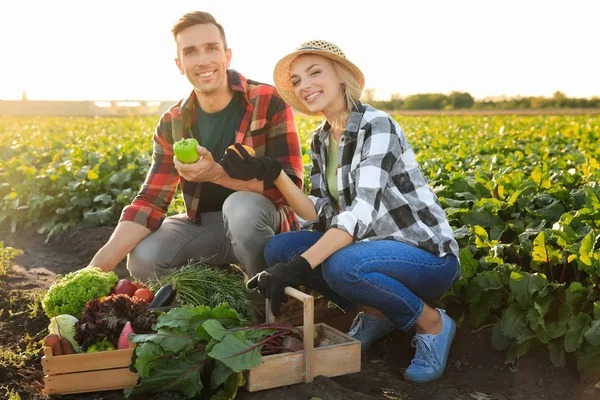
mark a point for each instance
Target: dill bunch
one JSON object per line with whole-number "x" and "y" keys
{"x": 199, "y": 284}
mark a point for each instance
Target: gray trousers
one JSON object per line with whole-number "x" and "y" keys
{"x": 237, "y": 235}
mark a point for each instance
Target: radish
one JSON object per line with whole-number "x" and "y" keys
{"x": 124, "y": 336}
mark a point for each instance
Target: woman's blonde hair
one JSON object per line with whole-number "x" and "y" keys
{"x": 351, "y": 90}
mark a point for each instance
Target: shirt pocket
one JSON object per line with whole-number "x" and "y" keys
{"x": 258, "y": 127}
{"x": 253, "y": 134}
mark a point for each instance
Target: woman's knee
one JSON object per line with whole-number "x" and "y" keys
{"x": 277, "y": 250}
{"x": 343, "y": 278}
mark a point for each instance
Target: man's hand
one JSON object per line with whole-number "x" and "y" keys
{"x": 203, "y": 170}
{"x": 247, "y": 167}
{"x": 273, "y": 281}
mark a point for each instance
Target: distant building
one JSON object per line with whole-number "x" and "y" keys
{"x": 113, "y": 108}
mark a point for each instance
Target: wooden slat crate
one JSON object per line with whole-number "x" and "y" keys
{"x": 340, "y": 358}
{"x": 109, "y": 370}
{"x": 87, "y": 372}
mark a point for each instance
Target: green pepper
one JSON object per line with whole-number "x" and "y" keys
{"x": 105, "y": 345}
{"x": 109, "y": 346}
{"x": 92, "y": 349}
{"x": 185, "y": 150}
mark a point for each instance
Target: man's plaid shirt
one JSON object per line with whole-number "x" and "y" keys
{"x": 382, "y": 191}
{"x": 267, "y": 125}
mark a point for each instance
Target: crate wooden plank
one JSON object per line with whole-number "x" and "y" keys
{"x": 86, "y": 361}
{"x": 332, "y": 334}
{"x": 336, "y": 360}
{"x": 277, "y": 370}
{"x": 91, "y": 381}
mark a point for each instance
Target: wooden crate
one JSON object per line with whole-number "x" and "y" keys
{"x": 340, "y": 358}
{"x": 87, "y": 372}
{"x": 109, "y": 370}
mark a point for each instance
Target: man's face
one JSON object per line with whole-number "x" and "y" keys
{"x": 202, "y": 58}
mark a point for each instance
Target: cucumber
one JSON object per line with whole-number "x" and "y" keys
{"x": 164, "y": 297}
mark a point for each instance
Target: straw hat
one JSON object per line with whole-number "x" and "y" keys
{"x": 281, "y": 74}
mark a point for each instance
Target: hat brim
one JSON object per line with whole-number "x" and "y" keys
{"x": 281, "y": 76}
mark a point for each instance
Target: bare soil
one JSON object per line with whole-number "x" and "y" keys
{"x": 475, "y": 370}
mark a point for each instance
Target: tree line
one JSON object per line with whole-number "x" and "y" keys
{"x": 463, "y": 100}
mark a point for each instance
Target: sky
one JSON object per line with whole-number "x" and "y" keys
{"x": 118, "y": 50}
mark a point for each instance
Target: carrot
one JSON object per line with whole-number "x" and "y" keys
{"x": 53, "y": 341}
{"x": 67, "y": 347}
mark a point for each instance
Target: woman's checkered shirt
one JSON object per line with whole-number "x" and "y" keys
{"x": 382, "y": 191}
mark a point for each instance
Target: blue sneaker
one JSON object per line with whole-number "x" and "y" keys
{"x": 432, "y": 351}
{"x": 367, "y": 329}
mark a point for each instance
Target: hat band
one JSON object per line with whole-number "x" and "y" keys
{"x": 310, "y": 48}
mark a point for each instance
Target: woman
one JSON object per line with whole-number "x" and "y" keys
{"x": 380, "y": 237}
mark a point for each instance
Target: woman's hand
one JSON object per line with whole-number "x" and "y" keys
{"x": 247, "y": 167}
{"x": 273, "y": 281}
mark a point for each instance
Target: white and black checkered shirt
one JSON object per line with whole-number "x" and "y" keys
{"x": 382, "y": 191}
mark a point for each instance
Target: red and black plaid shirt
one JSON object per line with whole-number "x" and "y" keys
{"x": 267, "y": 125}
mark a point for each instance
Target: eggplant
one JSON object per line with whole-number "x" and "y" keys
{"x": 164, "y": 297}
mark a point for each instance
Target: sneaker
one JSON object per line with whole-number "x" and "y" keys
{"x": 431, "y": 353}
{"x": 367, "y": 329}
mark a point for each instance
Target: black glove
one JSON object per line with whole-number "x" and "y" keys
{"x": 273, "y": 281}
{"x": 245, "y": 168}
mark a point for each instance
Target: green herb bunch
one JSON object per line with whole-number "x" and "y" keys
{"x": 198, "y": 284}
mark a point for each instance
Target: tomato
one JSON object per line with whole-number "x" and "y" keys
{"x": 125, "y": 287}
{"x": 185, "y": 150}
{"x": 144, "y": 294}
{"x": 140, "y": 285}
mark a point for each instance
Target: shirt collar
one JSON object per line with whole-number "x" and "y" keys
{"x": 237, "y": 82}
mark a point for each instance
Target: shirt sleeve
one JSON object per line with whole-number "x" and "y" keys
{"x": 379, "y": 153}
{"x": 152, "y": 201}
{"x": 283, "y": 144}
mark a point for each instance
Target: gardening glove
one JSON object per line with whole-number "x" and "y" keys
{"x": 273, "y": 281}
{"x": 246, "y": 167}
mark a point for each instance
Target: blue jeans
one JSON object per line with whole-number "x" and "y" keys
{"x": 391, "y": 276}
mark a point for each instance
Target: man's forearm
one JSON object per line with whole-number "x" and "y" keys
{"x": 124, "y": 239}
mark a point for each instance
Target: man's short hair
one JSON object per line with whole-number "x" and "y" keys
{"x": 195, "y": 18}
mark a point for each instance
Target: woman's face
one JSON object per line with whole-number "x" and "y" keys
{"x": 317, "y": 85}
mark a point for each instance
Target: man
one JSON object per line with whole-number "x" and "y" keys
{"x": 227, "y": 220}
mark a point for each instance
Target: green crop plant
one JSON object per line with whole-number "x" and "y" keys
{"x": 522, "y": 194}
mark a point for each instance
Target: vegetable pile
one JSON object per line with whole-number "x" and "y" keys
{"x": 69, "y": 294}
{"x": 203, "y": 351}
{"x": 105, "y": 318}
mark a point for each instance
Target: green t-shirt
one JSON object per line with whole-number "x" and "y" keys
{"x": 216, "y": 132}
{"x": 332, "y": 168}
